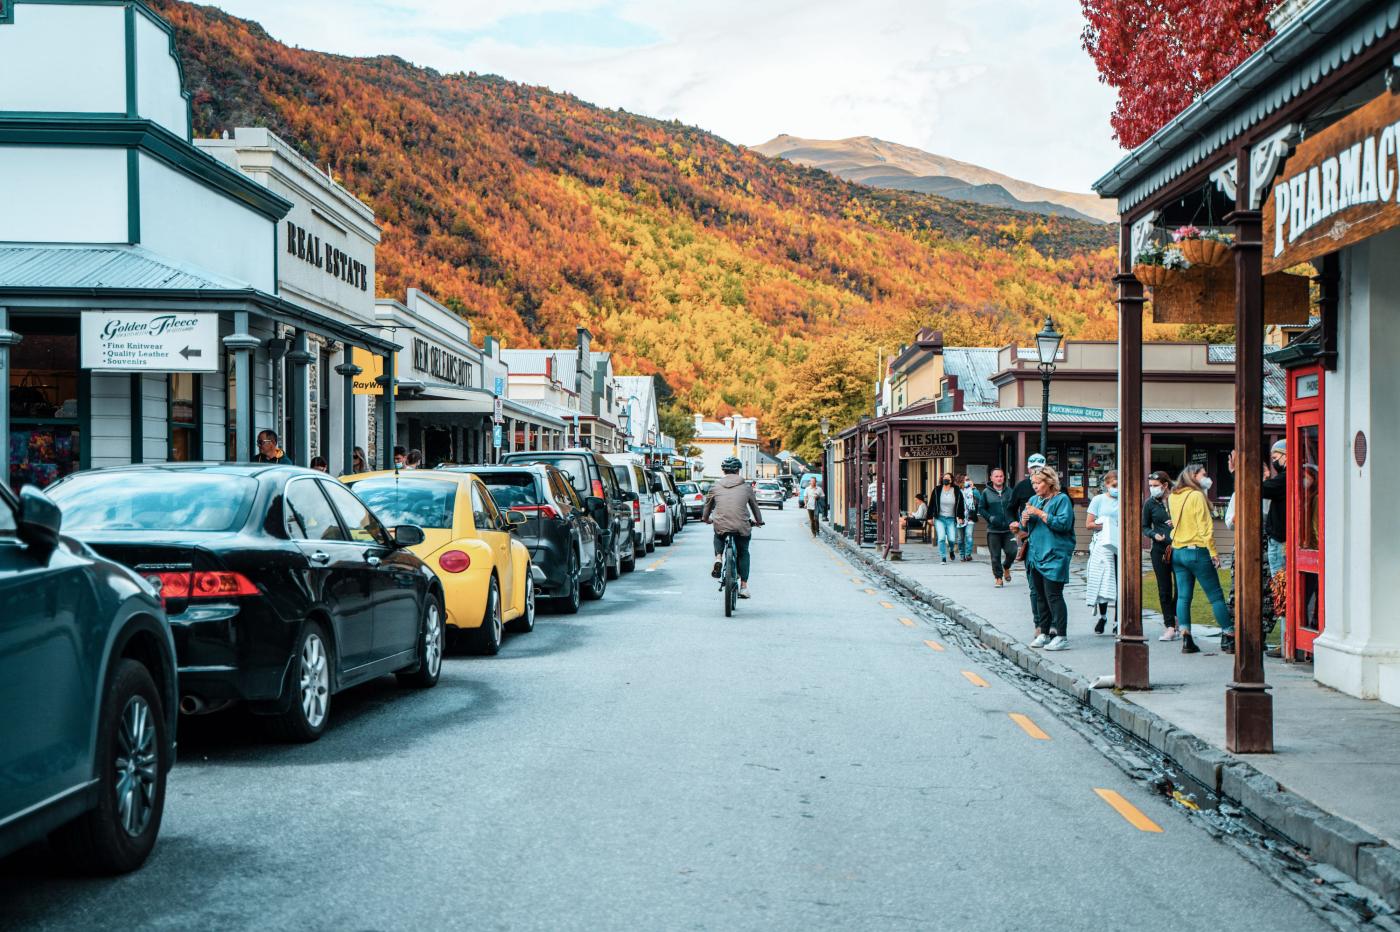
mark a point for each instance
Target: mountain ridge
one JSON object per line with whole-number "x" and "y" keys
{"x": 879, "y": 163}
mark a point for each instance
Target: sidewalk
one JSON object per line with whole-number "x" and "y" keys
{"x": 1333, "y": 753}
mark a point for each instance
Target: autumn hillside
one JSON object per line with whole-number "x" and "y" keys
{"x": 740, "y": 278}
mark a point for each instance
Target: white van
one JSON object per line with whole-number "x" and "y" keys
{"x": 631, "y": 472}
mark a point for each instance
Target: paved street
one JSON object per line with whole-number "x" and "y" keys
{"x": 812, "y": 762}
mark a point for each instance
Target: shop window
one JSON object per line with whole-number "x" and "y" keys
{"x": 1311, "y": 488}
{"x": 7, "y": 12}
{"x": 231, "y": 452}
{"x": 182, "y": 394}
{"x": 45, "y": 433}
{"x": 1169, "y": 458}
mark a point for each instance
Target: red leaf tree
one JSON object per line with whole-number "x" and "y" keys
{"x": 1162, "y": 54}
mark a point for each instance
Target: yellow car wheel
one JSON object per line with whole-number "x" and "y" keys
{"x": 486, "y": 640}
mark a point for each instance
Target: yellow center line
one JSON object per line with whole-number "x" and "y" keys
{"x": 934, "y": 645}
{"x": 870, "y": 592}
{"x": 1028, "y": 726}
{"x": 974, "y": 679}
{"x": 908, "y": 623}
{"x": 1128, "y": 811}
{"x": 886, "y": 605}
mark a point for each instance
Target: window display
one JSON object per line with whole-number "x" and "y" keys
{"x": 45, "y": 442}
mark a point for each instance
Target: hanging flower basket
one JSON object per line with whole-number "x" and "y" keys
{"x": 1151, "y": 275}
{"x": 1204, "y": 248}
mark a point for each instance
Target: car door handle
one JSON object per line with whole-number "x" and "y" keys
{"x": 320, "y": 558}
{"x": 372, "y": 561}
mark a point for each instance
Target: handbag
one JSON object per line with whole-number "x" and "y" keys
{"x": 1167, "y": 555}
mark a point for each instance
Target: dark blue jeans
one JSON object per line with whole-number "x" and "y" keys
{"x": 1191, "y": 566}
{"x": 741, "y": 551}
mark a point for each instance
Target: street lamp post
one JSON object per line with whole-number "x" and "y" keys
{"x": 1047, "y": 345}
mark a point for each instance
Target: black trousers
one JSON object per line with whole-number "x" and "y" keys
{"x": 812, "y": 516}
{"x": 1166, "y": 582}
{"x": 1049, "y": 601}
{"x": 741, "y": 552}
{"x": 1002, "y": 547}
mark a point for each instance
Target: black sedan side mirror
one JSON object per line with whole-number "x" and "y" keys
{"x": 409, "y": 535}
{"x": 39, "y": 520}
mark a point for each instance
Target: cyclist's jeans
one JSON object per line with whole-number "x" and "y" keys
{"x": 741, "y": 550}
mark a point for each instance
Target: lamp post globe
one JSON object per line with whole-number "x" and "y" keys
{"x": 1047, "y": 347}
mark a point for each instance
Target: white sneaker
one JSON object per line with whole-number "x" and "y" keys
{"x": 743, "y": 592}
{"x": 1059, "y": 642}
{"x": 1171, "y": 634}
{"x": 1040, "y": 640}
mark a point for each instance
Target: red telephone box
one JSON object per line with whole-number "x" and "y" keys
{"x": 1306, "y": 474}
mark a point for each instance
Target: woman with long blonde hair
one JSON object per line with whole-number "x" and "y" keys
{"x": 1049, "y": 517}
{"x": 1194, "y": 559}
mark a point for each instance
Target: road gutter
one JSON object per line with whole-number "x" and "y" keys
{"x": 1362, "y": 857}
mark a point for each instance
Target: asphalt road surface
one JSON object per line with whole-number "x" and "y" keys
{"x": 813, "y": 762}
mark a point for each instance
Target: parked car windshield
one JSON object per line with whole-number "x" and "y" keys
{"x": 511, "y": 490}
{"x": 571, "y": 467}
{"x": 160, "y": 500}
{"x": 424, "y": 502}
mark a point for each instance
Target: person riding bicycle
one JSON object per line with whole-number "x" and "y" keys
{"x": 727, "y": 507}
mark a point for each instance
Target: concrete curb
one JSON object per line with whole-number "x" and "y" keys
{"x": 1332, "y": 840}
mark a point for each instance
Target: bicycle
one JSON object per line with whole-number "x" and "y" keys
{"x": 729, "y": 575}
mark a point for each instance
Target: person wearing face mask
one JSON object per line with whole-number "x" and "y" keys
{"x": 1049, "y": 517}
{"x": 949, "y": 512}
{"x": 969, "y": 494}
{"x": 1194, "y": 559}
{"x": 1157, "y": 527}
{"x": 1101, "y": 589}
{"x": 1021, "y": 493}
{"x": 1274, "y": 490}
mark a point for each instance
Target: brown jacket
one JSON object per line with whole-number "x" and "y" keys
{"x": 728, "y": 506}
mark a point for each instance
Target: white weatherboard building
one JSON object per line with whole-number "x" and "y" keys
{"x": 142, "y": 317}
{"x": 719, "y": 440}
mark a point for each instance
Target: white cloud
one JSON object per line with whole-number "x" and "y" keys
{"x": 1004, "y": 85}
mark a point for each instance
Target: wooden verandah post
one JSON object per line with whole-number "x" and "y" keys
{"x": 1130, "y": 660}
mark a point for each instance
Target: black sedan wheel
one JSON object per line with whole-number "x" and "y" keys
{"x": 599, "y": 584}
{"x": 615, "y": 567}
{"x": 119, "y": 834}
{"x": 430, "y": 646}
{"x": 568, "y": 603}
{"x": 310, "y": 709}
{"x": 487, "y": 639}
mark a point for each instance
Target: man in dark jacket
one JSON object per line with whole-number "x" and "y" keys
{"x": 994, "y": 504}
{"x": 727, "y": 507}
{"x": 1275, "y": 491}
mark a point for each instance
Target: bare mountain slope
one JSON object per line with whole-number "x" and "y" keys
{"x": 882, "y": 164}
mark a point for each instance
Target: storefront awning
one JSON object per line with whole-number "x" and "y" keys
{"x": 481, "y": 405}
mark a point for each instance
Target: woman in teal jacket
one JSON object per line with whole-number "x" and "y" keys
{"x": 1049, "y": 517}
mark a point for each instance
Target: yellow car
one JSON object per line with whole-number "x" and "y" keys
{"x": 487, "y": 578}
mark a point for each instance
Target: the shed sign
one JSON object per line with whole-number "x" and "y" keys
{"x": 1337, "y": 188}
{"x": 928, "y": 444}
{"x": 145, "y": 341}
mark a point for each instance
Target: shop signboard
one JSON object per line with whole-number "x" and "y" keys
{"x": 145, "y": 341}
{"x": 371, "y": 368}
{"x": 496, "y": 436}
{"x": 1339, "y": 187}
{"x": 928, "y": 444}
{"x": 1075, "y": 411}
{"x": 500, "y": 386}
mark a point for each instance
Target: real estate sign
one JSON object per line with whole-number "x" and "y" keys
{"x": 145, "y": 341}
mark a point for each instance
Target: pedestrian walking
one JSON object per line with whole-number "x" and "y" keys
{"x": 1274, "y": 490}
{"x": 1049, "y": 518}
{"x": 1101, "y": 589}
{"x": 1020, "y": 495}
{"x": 1194, "y": 559}
{"x": 949, "y": 512}
{"x": 810, "y": 494}
{"x": 969, "y": 493}
{"x": 1157, "y": 527}
{"x": 994, "y": 504}
{"x": 268, "y": 449}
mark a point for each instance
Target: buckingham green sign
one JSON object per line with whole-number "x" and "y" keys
{"x": 1076, "y": 411}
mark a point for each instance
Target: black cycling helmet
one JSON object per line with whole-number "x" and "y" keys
{"x": 731, "y": 464}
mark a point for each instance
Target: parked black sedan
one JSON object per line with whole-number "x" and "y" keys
{"x": 564, "y": 539}
{"x": 87, "y": 695}
{"x": 281, "y": 587}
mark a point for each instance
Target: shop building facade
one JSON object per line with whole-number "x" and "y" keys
{"x": 140, "y": 308}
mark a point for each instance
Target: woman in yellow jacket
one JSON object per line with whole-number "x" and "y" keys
{"x": 1193, "y": 556}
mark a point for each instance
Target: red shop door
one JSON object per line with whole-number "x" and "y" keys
{"x": 1306, "y": 481}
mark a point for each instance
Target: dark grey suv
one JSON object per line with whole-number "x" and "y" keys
{"x": 563, "y": 538}
{"x": 610, "y": 505}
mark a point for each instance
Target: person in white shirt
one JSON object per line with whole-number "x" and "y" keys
{"x": 811, "y": 494}
{"x": 1101, "y": 590}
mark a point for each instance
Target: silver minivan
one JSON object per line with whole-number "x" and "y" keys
{"x": 631, "y": 475}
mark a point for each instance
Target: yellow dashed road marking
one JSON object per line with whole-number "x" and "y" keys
{"x": 934, "y": 645}
{"x": 870, "y": 592}
{"x": 886, "y": 605}
{"x": 908, "y": 623}
{"x": 1028, "y": 726}
{"x": 974, "y": 679}
{"x": 1128, "y": 811}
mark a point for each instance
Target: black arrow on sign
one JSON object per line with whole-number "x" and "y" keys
{"x": 187, "y": 352}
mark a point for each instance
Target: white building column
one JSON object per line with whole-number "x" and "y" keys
{"x": 1359, "y": 650}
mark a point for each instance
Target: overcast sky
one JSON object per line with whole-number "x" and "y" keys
{"x": 1002, "y": 84}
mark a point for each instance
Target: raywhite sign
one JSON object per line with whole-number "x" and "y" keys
{"x": 143, "y": 341}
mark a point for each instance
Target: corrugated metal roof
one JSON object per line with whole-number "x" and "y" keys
{"x": 1109, "y": 418}
{"x": 1275, "y": 379}
{"x": 974, "y": 366}
{"x": 129, "y": 267}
